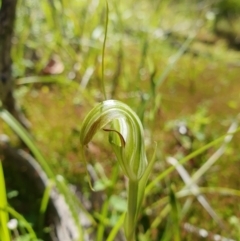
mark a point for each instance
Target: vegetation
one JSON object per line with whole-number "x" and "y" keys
{"x": 161, "y": 79}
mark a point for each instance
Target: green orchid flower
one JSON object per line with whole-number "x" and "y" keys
{"x": 126, "y": 135}
{"x": 127, "y": 139}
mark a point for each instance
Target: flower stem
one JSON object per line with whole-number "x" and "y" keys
{"x": 131, "y": 216}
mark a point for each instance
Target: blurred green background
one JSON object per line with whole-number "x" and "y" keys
{"x": 176, "y": 63}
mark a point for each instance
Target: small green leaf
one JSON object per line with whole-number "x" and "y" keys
{"x": 118, "y": 203}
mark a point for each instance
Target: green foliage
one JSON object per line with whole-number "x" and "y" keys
{"x": 226, "y": 8}
{"x": 31, "y": 235}
{"x": 58, "y": 180}
{"x": 5, "y": 235}
{"x": 155, "y": 60}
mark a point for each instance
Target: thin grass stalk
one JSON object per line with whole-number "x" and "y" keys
{"x": 185, "y": 193}
{"x": 144, "y": 53}
{"x": 190, "y": 183}
{"x": 61, "y": 185}
{"x": 157, "y": 84}
{"x": 202, "y": 190}
{"x": 144, "y": 179}
{"x": 116, "y": 228}
{"x": 227, "y": 136}
{"x": 175, "y": 214}
{"x": 19, "y": 217}
{"x": 78, "y": 203}
{"x": 211, "y": 190}
{"x": 164, "y": 212}
{"x": 194, "y": 188}
{"x": 25, "y": 137}
{"x": 216, "y": 155}
{"x": 105, "y": 207}
{"x": 43, "y": 207}
{"x": 118, "y": 71}
{"x": 175, "y": 59}
{"x": 103, "y": 52}
{"x": 210, "y": 162}
{"x": 102, "y": 220}
{"x": 91, "y": 13}
{"x": 144, "y": 49}
{"x": 4, "y": 232}
{"x": 185, "y": 160}
{"x": 54, "y": 21}
{"x": 182, "y": 194}
{"x": 102, "y": 225}
{"x": 119, "y": 64}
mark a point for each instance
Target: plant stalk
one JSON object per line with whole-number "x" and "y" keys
{"x": 4, "y": 232}
{"x": 131, "y": 216}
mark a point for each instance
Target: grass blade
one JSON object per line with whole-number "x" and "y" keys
{"x": 194, "y": 188}
{"x": 174, "y": 214}
{"x": 4, "y": 232}
{"x": 205, "y": 167}
{"x": 61, "y": 185}
{"x": 19, "y": 217}
{"x": 44, "y": 205}
{"x": 186, "y": 159}
{"x": 116, "y": 228}
{"x": 103, "y": 52}
{"x": 25, "y": 137}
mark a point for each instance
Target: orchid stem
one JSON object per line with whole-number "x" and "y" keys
{"x": 131, "y": 217}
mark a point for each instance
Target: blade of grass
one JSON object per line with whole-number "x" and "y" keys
{"x": 19, "y": 217}
{"x": 175, "y": 214}
{"x": 213, "y": 190}
{"x": 144, "y": 179}
{"x": 216, "y": 155}
{"x": 194, "y": 188}
{"x": 202, "y": 190}
{"x": 120, "y": 55}
{"x": 174, "y": 59}
{"x": 231, "y": 131}
{"x": 189, "y": 181}
{"x": 4, "y": 232}
{"x": 43, "y": 206}
{"x": 164, "y": 212}
{"x": 62, "y": 187}
{"x": 102, "y": 224}
{"x": 105, "y": 207}
{"x": 103, "y": 52}
{"x": 186, "y": 159}
{"x": 182, "y": 194}
{"x": 116, "y": 228}
{"x": 171, "y": 207}
{"x": 25, "y": 137}
{"x": 83, "y": 209}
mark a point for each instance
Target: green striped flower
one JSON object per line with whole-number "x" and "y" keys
{"x": 126, "y": 135}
